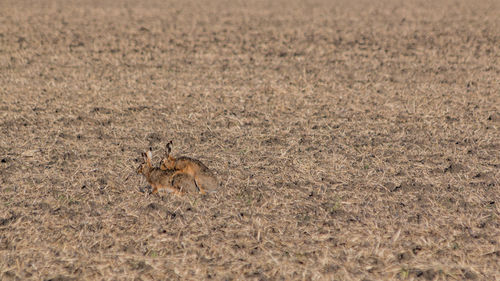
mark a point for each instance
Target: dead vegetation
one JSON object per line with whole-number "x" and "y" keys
{"x": 354, "y": 140}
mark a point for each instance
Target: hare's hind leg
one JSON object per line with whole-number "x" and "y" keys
{"x": 197, "y": 182}
{"x": 178, "y": 172}
{"x": 155, "y": 189}
{"x": 175, "y": 190}
{"x": 178, "y": 192}
{"x": 185, "y": 183}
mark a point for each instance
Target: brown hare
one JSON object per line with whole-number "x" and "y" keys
{"x": 204, "y": 179}
{"x": 178, "y": 183}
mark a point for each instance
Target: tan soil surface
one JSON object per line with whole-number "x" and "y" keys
{"x": 354, "y": 140}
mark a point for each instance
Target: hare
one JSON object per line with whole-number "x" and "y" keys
{"x": 204, "y": 179}
{"x": 179, "y": 183}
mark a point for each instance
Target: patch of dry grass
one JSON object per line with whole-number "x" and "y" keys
{"x": 354, "y": 140}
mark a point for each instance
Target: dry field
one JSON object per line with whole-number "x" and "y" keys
{"x": 354, "y": 140}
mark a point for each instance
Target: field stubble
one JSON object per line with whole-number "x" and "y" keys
{"x": 354, "y": 140}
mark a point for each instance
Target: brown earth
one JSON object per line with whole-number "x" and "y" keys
{"x": 355, "y": 140}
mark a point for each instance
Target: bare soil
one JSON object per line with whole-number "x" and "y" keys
{"x": 354, "y": 140}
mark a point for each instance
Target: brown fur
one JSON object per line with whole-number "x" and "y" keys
{"x": 204, "y": 179}
{"x": 179, "y": 183}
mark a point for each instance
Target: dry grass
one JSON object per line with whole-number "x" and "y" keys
{"x": 355, "y": 140}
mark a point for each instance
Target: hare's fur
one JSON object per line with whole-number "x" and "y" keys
{"x": 178, "y": 183}
{"x": 204, "y": 179}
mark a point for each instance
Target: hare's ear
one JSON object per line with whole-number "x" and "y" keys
{"x": 169, "y": 148}
{"x": 149, "y": 155}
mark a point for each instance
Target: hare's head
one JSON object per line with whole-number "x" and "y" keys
{"x": 146, "y": 163}
{"x": 168, "y": 163}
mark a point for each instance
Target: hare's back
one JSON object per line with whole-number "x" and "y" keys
{"x": 161, "y": 177}
{"x": 191, "y": 161}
